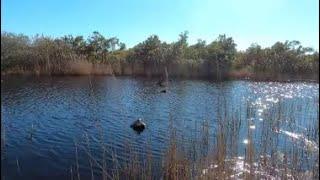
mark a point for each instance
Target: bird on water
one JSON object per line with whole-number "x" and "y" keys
{"x": 138, "y": 125}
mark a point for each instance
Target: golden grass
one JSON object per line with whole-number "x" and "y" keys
{"x": 266, "y": 162}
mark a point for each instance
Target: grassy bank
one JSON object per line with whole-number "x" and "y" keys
{"x": 98, "y": 55}
{"x": 85, "y": 68}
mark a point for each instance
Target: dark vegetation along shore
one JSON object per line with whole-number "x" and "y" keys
{"x": 98, "y": 55}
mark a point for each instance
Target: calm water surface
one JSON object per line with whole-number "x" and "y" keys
{"x": 44, "y": 117}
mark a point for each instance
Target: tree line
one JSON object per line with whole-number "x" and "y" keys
{"x": 100, "y": 55}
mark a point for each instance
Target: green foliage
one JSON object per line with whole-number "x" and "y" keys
{"x": 222, "y": 49}
{"x": 177, "y": 50}
{"x": 149, "y": 50}
{"x": 288, "y": 57}
{"x": 221, "y": 54}
{"x": 215, "y": 59}
{"x": 13, "y": 48}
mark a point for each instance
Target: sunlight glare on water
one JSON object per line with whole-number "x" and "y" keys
{"x": 44, "y": 117}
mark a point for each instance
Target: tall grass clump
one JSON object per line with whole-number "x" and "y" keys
{"x": 227, "y": 148}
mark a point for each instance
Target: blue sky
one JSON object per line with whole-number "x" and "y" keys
{"x": 132, "y": 21}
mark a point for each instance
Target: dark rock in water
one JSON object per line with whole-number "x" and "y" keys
{"x": 163, "y": 91}
{"x": 138, "y": 125}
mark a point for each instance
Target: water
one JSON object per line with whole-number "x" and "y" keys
{"x": 44, "y": 118}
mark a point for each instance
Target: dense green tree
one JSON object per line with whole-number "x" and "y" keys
{"x": 197, "y": 51}
{"x": 177, "y": 50}
{"x": 98, "y": 45}
{"x": 122, "y": 46}
{"x": 221, "y": 53}
{"x": 149, "y": 51}
{"x": 79, "y": 45}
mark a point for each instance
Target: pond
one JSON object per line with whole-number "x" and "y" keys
{"x": 55, "y": 126}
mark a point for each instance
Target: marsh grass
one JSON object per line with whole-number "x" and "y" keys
{"x": 218, "y": 155}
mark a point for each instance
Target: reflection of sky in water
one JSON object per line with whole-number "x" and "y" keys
{"x": 292, "y": 107}
{"x": 296, "y": 106}
{"x": 296, "y": 101}
{"x": 61, "y": 109}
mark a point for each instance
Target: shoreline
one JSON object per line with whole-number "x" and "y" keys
{"x": 255, "y": 77}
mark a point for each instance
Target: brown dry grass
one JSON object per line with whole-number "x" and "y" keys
{"x": 220, "y": 162}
